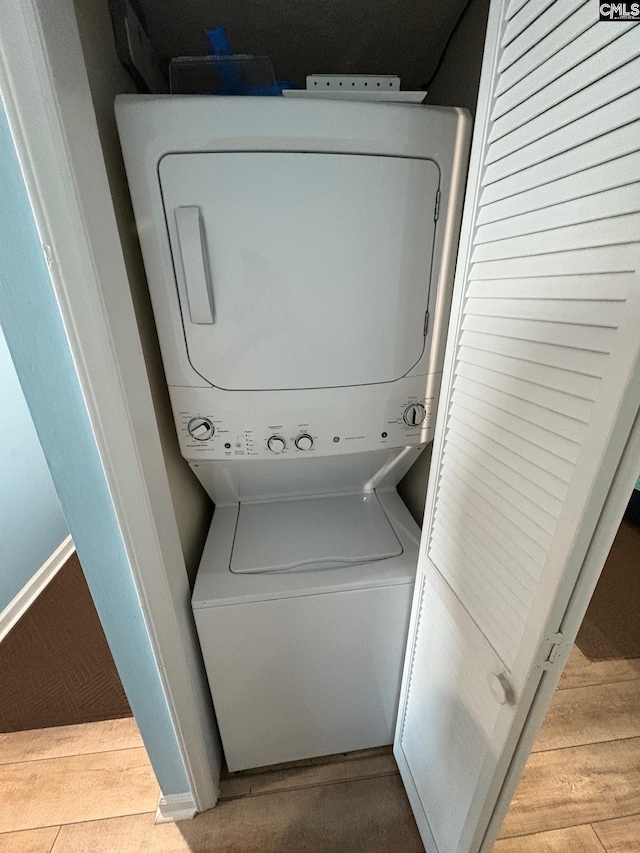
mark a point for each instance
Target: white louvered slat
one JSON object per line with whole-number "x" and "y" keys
{"x": 476, "y": 591}
{"x": 569, "y": 57}
{"x": 537, "y": 503}
{"x": 575, "y": 361}
{"x": 506, "y": 545}
{"x": 587, "y": 208}
{"x": 512, "y": 591}
{"x": 559, "y": 379}
{"x": 469, "y": 501}
{"x": 486, "y": 576}
{"x": 559, "y": 468}
{"x": 578, "y": 312}
{"x": 483, "y": 581}
{"x": 494, "y": 494}
{"x": 602, "y": 151}
{"x": 546, "y": 144}
{"x": 495, "y": 454}
{"x": 547, "y": 34}
{"x": 471, "y": 463}
{"x": 596, "y": 179}
{"x": 602, "y": 260}
{"x": 523, "y": 18}
{"x": 602, "y": 232}
{"x": 541, "y": 359}
{"x": 572, "y": 94}
{"x": 556, "y": 424}
{"x": 594, "y": 339}
{"x": 562, "y": 449}
{"x": 485, "y": 554}
{"x": 551, "y": 115}
{"x": 570, "y": 20}
{"x": 576, "y": 408}
{"x": 513, "y": 7}
{"x": 587, "y": 286}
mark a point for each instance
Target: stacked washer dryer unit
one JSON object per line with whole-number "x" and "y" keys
{"x": 300, "y": 259}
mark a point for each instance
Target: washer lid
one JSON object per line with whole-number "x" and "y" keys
{"x": 312, "y": 533}
{"x": 301, "y": 270}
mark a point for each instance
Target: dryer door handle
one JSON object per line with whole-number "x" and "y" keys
{"x": 195, "y": 263}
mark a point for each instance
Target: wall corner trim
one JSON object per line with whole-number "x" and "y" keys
{"x": 18, "y": 606}
{"x": 175, "y": 807}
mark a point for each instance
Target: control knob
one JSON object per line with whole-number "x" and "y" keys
{"x": 304, "y": 442}
{"x": 276, "y": 444}
{"x": 414, "y": 414}
{"x": 200, "y": 428}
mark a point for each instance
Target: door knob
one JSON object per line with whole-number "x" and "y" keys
{"x": 501, "y": 689}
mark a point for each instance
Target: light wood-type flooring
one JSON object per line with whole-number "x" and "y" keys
{"x": 90, "y": 789}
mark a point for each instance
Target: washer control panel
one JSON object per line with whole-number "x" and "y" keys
{"x": 209, "y": 428}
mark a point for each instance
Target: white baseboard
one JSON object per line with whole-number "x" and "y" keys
{"x": 175, "y": 807}
{"x": 16, "y": 609}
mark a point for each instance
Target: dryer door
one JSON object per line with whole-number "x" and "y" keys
{"x": 298, "y": 270}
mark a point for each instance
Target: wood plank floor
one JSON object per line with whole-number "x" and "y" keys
{"x": 90, "y": 787}
{"x": 580, "y": 791}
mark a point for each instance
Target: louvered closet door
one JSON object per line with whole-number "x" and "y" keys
{"x": 540, "y": 388}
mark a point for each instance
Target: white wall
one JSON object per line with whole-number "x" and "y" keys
{"x": 107, "y": 78}
{"x": 32, "y": 525}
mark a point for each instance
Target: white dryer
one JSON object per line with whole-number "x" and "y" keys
{"x": 300, "y": 260}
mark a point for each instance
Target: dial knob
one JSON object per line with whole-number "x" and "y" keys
{"x": 304, "y": 442}
{"x": 414, "y": 414}
{"x": 276, "y": 444}
{"x": 200, "y": 428}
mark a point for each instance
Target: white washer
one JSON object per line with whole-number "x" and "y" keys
{"x": 300, "y": 259}
{"x": 305, "y": 663}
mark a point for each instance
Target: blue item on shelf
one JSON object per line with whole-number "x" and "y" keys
{"x": 224, "y": 72}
